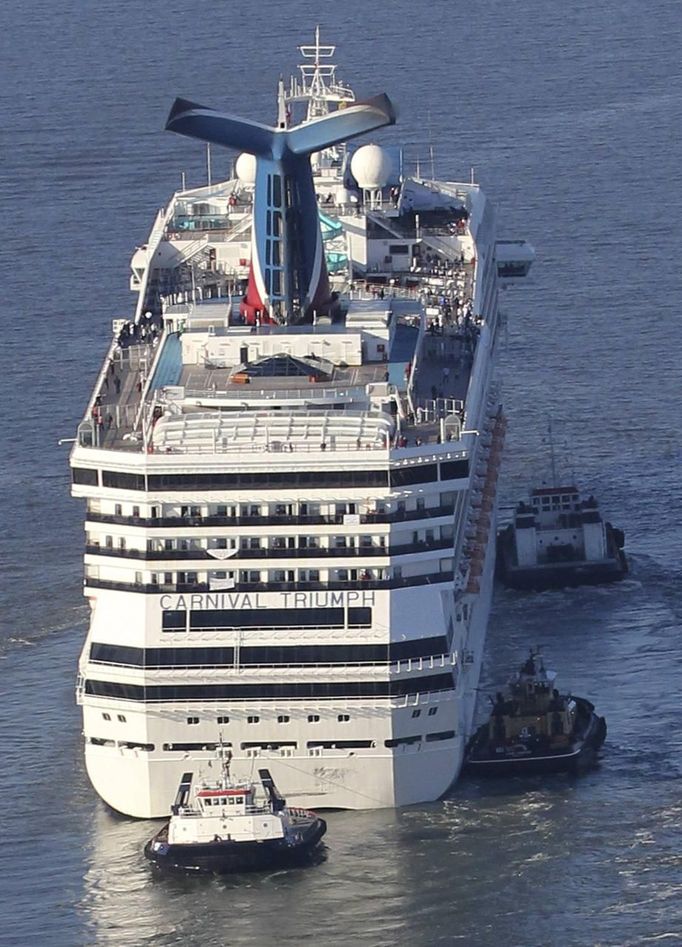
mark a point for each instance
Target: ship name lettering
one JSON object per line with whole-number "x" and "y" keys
{"x": 198, "y": 601}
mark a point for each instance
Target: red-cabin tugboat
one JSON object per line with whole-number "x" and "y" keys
{"x": 227, "y": 826}
{"x": 535, "y": 729}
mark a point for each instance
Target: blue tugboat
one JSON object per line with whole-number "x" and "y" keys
{"x": 227, "y": 826}
{"x": 535, "y": 729}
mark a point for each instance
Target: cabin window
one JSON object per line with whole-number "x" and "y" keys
{"x": 343, "y": 718}
{"x": 118, "y": 509}
{"x": 252, "y": 719}
{"x": 192, "y": 720}
{"x": 416, "y": 713}
{"x": 106, "y": 716}
{"x": 432, "y": 711}
{"x": 283, "y": 718}
{"x": 313, "y": 718}
{"x": 222, "y": 719}
{"x": 121, "y": 718}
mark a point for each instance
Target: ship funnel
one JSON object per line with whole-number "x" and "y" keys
{"x": 288, "y": 278}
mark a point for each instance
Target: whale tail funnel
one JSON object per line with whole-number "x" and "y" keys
{"x": 288, "y": 277}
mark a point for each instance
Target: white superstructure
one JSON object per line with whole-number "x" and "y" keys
{"x": 290, "y": 529}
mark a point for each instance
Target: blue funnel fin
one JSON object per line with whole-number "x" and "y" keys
{"x": 341, "y": 125}
{"x": 218, "y": 128}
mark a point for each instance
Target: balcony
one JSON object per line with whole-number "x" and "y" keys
{"x": 334, "y": 519}
{"x": 199, "y": 587}
{"x": 320, "y": 552}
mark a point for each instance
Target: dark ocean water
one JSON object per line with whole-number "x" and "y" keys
{"x": 570, "y": 113}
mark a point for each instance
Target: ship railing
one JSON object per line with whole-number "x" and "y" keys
{"x": 104, "y": 416}
{"x": 390, "y": 292}
{"x": 251, "y": 393}
{"x": 372, "y": 706}
{"x": 378, "y": 707}
{"x": 423, "y": 697}
{"x": 252, "y": 672}
{"x": 432, "y": 410}
{"x": 437, "y": 240}
{"x": 153, "y": 241}
{"x": 203, "y": 553}
{"x": 348, "y": 668}
{"x": 93, "y": 580}
{"x": 131, "y": 357}
{"x": 213, "y": 670}
{"x": 367, "y": 516}
{"x": 221, "y": 446}
{"x": 414, "y": 665}
{"x": 339, "y": 633}
{"x": 80, "y": 689}
{"x": 188, "y": 812}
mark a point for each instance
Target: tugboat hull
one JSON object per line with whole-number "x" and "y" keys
{"x": 558, "y": 575}
{"x": 483, "y": 760}
{"x": 226, "y": 857}
{"x": 543, "y": 578}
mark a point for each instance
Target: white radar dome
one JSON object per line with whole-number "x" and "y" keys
{"x": 245, "y": 168}
{"x": 371, "y": 167}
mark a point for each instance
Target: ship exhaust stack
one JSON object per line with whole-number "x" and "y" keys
{"x": 288, "y": 279}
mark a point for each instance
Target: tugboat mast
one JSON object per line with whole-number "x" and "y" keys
{"x": 552, "y": 457}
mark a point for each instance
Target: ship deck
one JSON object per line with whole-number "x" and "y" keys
{"x": 438, "y": 390}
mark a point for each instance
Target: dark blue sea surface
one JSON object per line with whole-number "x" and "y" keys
{"x": 570, "y": 115}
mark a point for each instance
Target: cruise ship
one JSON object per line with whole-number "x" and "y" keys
{"x": 290, "y": 462}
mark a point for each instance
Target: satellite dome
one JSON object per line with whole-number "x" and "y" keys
{"x": 245, "y": 168}
{"x": 371, "y": 167}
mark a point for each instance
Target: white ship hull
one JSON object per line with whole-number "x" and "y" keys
{"x": 143, "y": 784}
{"x": 290, "y": 521}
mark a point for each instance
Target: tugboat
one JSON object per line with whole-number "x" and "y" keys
{"x": 559, "y": 540}
{"x": 535, "y": 729}
{"x": 226, "y": 826}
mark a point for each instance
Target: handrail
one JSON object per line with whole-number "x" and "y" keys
{"x": 367, "y": 517}
{"x": 269, "y": 552}
{"x": 394, "y": 666}
{"x": 433, "y": 578}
